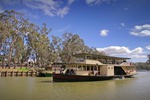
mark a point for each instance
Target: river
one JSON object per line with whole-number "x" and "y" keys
{"x": 42, "y": 88}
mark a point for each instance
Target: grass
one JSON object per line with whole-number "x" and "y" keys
{"x": 23, "y": 69}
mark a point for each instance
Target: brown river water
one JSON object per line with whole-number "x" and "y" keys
{"x": 42, "y": 88}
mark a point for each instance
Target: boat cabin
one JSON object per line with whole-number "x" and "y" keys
{"x": 99, "y": 65}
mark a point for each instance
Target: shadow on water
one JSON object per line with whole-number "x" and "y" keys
{"x": 46, "y": 81}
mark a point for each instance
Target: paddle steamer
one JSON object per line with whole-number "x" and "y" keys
{"x": 91, "y": 67}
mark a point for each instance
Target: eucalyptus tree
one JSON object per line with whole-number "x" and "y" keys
{"x": 21, "y": 40}
{"x": 93, "y": 50}
{"x": 71, "y": 45}
{"x": 56, "y": 46}
{"x": 20, "y": 51}
{"x": 44, "y": 48}
{"x": 39, "y": 46}
{"x": 12, "y": 26}
{"x": 148, "y": 56}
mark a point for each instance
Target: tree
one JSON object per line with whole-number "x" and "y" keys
{"x": 57, "y": 48}
{"x": 92, "y": 50}
{"x": 39, "y": 45}
{"x": 21, "y": 40}
{"x": 148, "y": 61}
{"x": 71, "y": 45}
{"x": 12, "y": 27}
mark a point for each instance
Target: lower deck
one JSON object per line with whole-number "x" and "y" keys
{"x": 99, "y": 70}
{"x": 80, "y": 78}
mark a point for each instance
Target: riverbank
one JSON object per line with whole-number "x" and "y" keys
{"x": 17, "y": 71}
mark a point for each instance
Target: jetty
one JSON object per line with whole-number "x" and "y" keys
{"x": 12, "y": 71}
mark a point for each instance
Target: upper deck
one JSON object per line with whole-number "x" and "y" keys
{"x": 81, "y": 57}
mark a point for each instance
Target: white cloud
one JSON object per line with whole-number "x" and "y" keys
{"x": 63, "y": 11}
{"x": 115, "y": 50}
{"x": 70, "y": 1}
{"x": 27, "y": 13}
{"x": 137, "y": 50}
{"x": 97, "y": 2}
{"x": 1, "y": 10}
{"x": 104, "y": 32}
{"x": 122, "y": 24}
{"x": 143, "y": 30}
{"x": 64, "y": 29}
{"x": 148, "y": 47}
{"x": 50, "y": 7}
{"x": 122, "y": 51}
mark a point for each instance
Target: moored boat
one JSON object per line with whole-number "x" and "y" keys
{"x": 78, "y": 78}
{"x": 89, "y": 67}
{"x": 45, "y": 74}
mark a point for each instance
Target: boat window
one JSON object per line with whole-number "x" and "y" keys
{"x": 95, "y": 68}
{"x": 70, "y": 72}
{"x": 84, "y": 68}
{"x": 88, "y": 67}
{"x": 79, "y": 67}
{"x": 94, "y": 58}
{"x": 92, "y": 68}
{"x": 88, "y": 57}
{"x": 79, "y": 59}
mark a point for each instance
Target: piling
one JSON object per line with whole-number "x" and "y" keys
{"x": 17, "y": 73}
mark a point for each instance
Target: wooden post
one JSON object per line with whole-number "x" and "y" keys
{"x": 1, "y": 74}
{"x": 17, "y": 73}
{"x": 21, "y": 73}
{"x": 37, "y": 73}
{"x": 31, "y": 73}
{"x": 27, "y": 73}
{"x": 5, "y": 73}
{"x": 11, "y": 73}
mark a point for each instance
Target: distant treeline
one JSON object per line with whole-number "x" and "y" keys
{"x": 142, "y": 66}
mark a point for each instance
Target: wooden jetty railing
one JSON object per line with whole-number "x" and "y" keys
{"x": 11, "y": 72}
{"x": 18, "y": 73}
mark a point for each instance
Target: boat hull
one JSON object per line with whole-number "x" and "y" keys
{"x": 45, "y": 75}
{"x": 79, "y": 78}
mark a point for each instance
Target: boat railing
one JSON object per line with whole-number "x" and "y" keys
{"x": 127, "y": 63}
{"x": 86, "y": 73}
{"x": 89, "y": 61}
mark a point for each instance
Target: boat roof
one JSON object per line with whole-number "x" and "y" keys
{"x": 83, "y": 64}
{"x": 100, "y": 56}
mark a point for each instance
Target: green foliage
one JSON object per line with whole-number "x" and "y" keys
{"x": 70, "y": 44}
{"x": 0, "y": 58}
{"x": 23, "y": 69}
{"x": 142, "y": 66}
{"x": 148, "y": 61}
{"x": 21, "y": 40}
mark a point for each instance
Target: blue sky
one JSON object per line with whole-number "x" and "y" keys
{"x": 117, "y": 27}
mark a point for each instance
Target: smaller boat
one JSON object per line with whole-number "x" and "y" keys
{"x": 45, "y": 74}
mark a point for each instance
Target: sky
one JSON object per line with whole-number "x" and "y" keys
{"x": 117, "y": 27}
